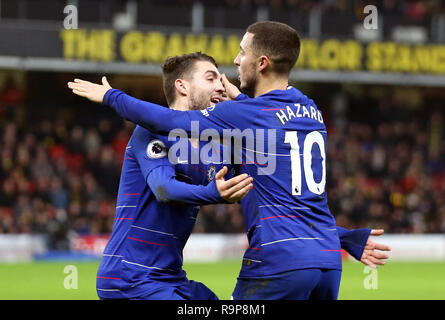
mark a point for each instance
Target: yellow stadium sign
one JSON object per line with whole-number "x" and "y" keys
{"x": 326, "y": 55}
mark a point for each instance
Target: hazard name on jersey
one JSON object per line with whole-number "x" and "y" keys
{"x": 298, "y": 111}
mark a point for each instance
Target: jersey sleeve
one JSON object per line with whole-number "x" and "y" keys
{"x": 151, "y": 154}
{"x": 353, "y": 241}
{"x": 158, "y": 119}
{"x": 167, "y": 189}
{"x": 149, "y": 151}
{"x": 242, "y": 96}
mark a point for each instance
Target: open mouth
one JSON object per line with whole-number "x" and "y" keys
{"x": 215, "y": 100}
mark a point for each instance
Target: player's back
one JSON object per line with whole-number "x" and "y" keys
{"x": 289, "y": 225}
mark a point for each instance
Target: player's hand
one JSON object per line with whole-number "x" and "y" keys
{"x": 92, "y": 91}
{"x": 233, "y": 190}
{"x": 373, "y": 254}
{"x": 224, "y": 97}
{"x": 231, "y": 90}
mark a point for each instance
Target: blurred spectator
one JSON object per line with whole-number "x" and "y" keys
{"x": 11, "y": 96}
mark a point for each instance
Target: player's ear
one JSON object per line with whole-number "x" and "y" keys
{"x": 263, "y": 63}
{"x": 181, "y": 87}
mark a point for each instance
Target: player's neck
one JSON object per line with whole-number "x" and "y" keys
{"x": 266, "y": 85}
{"x": 180, "y": 104}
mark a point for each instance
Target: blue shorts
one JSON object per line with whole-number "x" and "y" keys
{"x": 304, "y": 284}
{"x": 192, "y": 290}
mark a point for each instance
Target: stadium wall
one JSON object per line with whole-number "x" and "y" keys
{"x": 203, "y": 247}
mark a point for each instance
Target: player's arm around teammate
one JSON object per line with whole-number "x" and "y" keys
{"x": 171, "y": 191}
{"x": 356, "y": 242}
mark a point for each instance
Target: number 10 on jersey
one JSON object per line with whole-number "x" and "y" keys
{"x": 310, "y": 139}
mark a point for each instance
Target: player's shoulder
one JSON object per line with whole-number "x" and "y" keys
{"x": 144, "y": 142}
{"x": 232, "y": 108}
{"x": 140, "y": 133}
{"x": 142, "y": 137}
{"x": 301, "y": 97}
{"x": 244, "y": 101}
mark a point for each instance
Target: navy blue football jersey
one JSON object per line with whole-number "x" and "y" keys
{"x": 283, "y": 147}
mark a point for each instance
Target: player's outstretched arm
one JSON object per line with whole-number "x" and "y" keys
{"x": 159, "y": 119}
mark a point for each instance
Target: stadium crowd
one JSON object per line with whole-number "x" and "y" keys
{"x": 386, "y": 168}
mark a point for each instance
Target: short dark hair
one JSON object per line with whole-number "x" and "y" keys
{"x": 278, "y": 41}
{"x": 178, "y": 67}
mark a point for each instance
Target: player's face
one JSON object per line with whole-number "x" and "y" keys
{"x": 206, "y": 87}
{"x": 246, "y": 62}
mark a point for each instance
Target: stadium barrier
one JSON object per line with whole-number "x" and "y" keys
{"x": 21, "y": 247}
{"x": 415, "y": 246}
{"x": 202, "y": 247}
{"x": 214, "y": 247}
